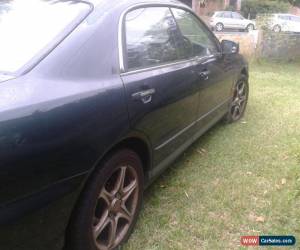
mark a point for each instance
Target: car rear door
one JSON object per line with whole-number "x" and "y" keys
{"x": 215, "y": 78}
{"x": 159, "y": 80}
{"x": 228, "y": 20}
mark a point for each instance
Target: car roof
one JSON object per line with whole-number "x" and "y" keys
{"x": 283, "y": 14}
{"x": 127, "y": 3}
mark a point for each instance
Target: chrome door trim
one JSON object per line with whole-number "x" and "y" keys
{"x": 191, "y": 125}
{"x": 175, "y": 136}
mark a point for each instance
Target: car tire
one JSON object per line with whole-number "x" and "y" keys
{"x": 277, "y": 28}
{"x": 219, "y": 27}
{"x": 250, "y": 27}
{"x": 239, "y": 101}
{"x": 108, "y": 208}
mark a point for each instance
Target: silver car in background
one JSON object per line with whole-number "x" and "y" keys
{"x": 231, "y": 20}
{"x": 284, "y": 23}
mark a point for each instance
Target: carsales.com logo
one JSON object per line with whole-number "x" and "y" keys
{"x": 268, "y": 241}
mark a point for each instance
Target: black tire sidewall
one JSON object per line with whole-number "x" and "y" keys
{"x": 80, "y": 236}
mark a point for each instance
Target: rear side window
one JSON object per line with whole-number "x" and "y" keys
{"x": 28, "y": 27}
{"x": 151, "y": 35}
{"x": 219, "y": 14}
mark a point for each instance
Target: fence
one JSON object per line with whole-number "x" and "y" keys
{"x": 264, "y": 44}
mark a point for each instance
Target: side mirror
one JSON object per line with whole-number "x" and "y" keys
{"x": 229, "y": 47}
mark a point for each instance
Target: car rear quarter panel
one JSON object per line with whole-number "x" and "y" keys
{"x": 58, "y": 119}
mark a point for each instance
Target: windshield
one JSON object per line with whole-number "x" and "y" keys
{"x": 28, "y": 27}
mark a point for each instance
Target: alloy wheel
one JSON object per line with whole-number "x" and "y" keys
{"x": 116, "y": 207}
{"x": 219, "y": 27}
{"x": 277, "y": 29}
{"x": 250, "y": 27}
{"x": 239, "y": 100}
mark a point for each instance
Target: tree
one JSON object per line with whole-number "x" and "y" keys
{"x": 250, "y": 8}
{"x": 295, "y": 2}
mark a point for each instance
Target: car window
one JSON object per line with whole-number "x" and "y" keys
{"x": 227, "y": 15}
{"x": 195, "y": 33}
{"x": 286, "y": 18}
{"x": 220, "y": 14}
{"x": 150, "y": 37}
{"x": 295, "y": 19}
{"x": 28, "y": 27}
{"x": 237, "y": 15}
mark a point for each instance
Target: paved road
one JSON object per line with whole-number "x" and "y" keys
{"x": 231, "y": 33}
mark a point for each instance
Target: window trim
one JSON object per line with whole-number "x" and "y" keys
{"x": 122, "y": 38}
{"x": 205, "y": 29}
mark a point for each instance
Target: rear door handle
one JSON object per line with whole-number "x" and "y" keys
{"x": 145, "y": 96}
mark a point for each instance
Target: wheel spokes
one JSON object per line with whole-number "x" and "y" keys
{"x": 106, "y": 196}
{"x": 236, "y": 111}
{"x": 127, "y": 192}
{"x": 104, "y": 221}
{"x": 120, "y": 181}
{"x": 112, "y": 231}
{"x": 124, "y": 213}
{"x": 239, "y": 100}
{"x": 119, "y": 195}
{"x": 241, "y": 89}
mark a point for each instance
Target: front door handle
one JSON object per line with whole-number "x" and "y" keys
{"x": 145, "y": 96}
{"x": 204, "y": 74}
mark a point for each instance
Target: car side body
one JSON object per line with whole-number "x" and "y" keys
{"x": 230, "y": 20}
{"x": 67, "y": 108}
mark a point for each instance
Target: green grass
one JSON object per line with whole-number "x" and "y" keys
{"x": 239, "y": 179}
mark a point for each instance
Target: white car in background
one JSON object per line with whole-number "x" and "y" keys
{"x": 231, "y": 20}
{"x": 284, "y": 22}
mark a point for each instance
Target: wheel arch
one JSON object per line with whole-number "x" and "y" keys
{"x": 135, "y": 141}
{"x": 139, "y": 145}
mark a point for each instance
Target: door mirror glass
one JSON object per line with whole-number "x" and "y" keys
{"x": 229, "y": 47}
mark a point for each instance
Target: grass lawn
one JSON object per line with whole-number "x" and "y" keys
{"x": 240, "y": 179}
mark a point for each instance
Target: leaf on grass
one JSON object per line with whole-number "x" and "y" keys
{"x": 216, "y": 182}
{"x": 260, "y": 219}
{"x": 202, "y": 151}
{"x": 285, "y": 157}
{"x": 186, "y": 194}
{"x": 255, "y": 218}
{"x": 283, "y": 181}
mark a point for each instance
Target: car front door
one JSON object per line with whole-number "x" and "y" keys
{"x": 239, "y": 21}
{"x": 215, "y": 73}
{"x": 159, "y": 81}
{"x": 295, "y": 23}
